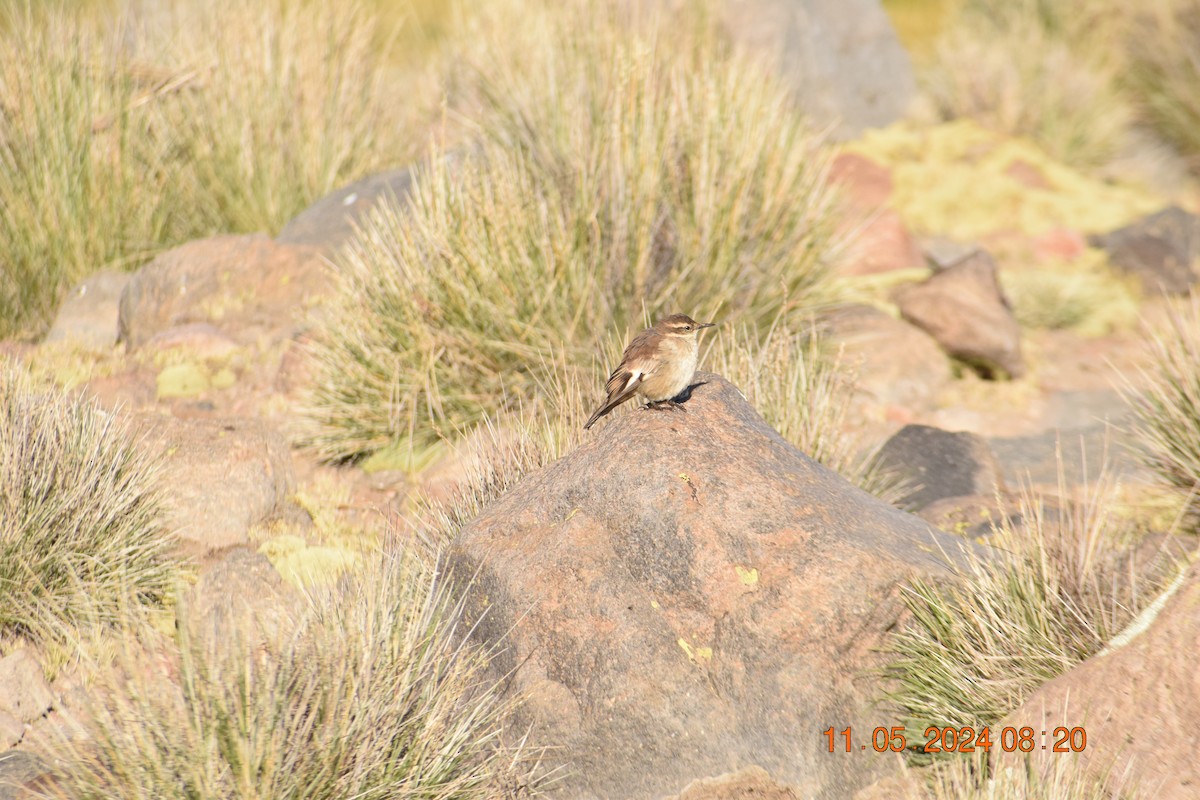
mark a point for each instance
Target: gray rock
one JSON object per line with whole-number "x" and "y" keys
{"x": 689, "y": 595}
{"x": 90, "y": 313}
{"x": 841, "y": 57}
{"x": 1162, "y": 250}
{"x": 941, "y": 464}
{"x": 330, "y": 221}
{"x": 23, "y": 776}
{"x": 221, "y": 477}
{"x": 24, "y": 693}
{"x": 964, "y": 309}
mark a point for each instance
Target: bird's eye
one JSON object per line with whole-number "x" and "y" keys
{"x": 687, "y": 327}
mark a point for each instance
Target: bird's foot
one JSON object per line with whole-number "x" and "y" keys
{"x": 661, "y": 404}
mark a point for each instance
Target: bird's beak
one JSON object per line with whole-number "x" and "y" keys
{"x": 700, "y": 325}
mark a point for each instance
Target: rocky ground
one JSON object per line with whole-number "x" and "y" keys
{"x": 737, "y": 549}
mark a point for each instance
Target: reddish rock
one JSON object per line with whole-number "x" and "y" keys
{"x": 1027, "y": 175}
{"x": 964, "y": 309}
{"x": 1059, "y": 244}
{"x": 751, "y": 783}
{"x": 687, "y": 594}
{"x": 248, "y": 286}
{"x": 866, "y": 184}
{"x": 882, "y": 244}
{"x": 1138, "y": 703}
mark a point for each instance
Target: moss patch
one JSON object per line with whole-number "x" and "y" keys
{"x": 960, "y": 180}
{"x": 183, "y": 380}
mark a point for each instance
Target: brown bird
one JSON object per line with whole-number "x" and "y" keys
{"x": 657, "y": 365}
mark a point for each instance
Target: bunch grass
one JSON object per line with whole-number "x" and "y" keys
{"x": 1062, "y": 583}
{"x": 366, "y": 690}
{"x": 620, "y": 175}
{"x": 1166, "y": 403}
{"x": 81, "y": 528}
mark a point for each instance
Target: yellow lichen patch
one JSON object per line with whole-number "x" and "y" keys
{"x": 303, "y": 565}
{"x": 960, "y": 180}
{"x": 748, "y": 576}
{"x": 697, "y": 655}
{"x": 182, "y": 380}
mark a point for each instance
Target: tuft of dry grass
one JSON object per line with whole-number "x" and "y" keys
{"x": 367, "y": 691}
{"x": 620, "y": 174}
{"x": 1023, "y": 68}
{"x": 1164, "y": 71}
{"x": 1058, "y": 587}
{"x": 120, "y": 140}
{"x": 80, "y": 512}
{"x": 1166, "y": 402}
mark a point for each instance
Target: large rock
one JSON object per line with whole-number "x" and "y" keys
{"x": 964, "y": 309}
{"x": 221, "y": 477}
{"x": 1162, "y": 250}
{"x": 90, "y": 313}
{"x": 330, "y": 221}
{"x": 688, "y": 595}
{"x": 937, "y": 464}
{"x": 1138, "y": 703}
{"x": 841, "y": 57}
{"x": 248, "y": 286}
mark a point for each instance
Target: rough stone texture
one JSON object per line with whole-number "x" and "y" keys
{"x": 841, "y": 57}
{"x": 973, "y": 516}
{"x": 24, "y": 693}
{"x": 942, "y": 253}
{"x": 221, "y": 477}
{"x": 963, "y": 308}
{"x": 248, "y": 286}
{"x": 241, "y": 595}
{"x": 330, "y": 221}
{"x": 12, "y": 731}
{"x": 89, "y": 314}
{"x": 1139, "y": 703}
{"x": 751, "y": 783}
{"x": 23, "y": 776}
{"x": 1162, "y": 250}
{"x": 940, "y": 464}
{"x": 686, "y": 595}
{"x": 895, "y": 363}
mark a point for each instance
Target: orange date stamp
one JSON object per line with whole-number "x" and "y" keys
{"x": 937, "y": 739}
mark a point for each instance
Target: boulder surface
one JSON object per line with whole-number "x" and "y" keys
{"x": 688, "y": 595}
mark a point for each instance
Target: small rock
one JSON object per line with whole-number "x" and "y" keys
{"x": 751, "y": 783}
{"x": 1027, "y": 175}
{"x": 940, "y": 464}
{"x": 896, "y": 364}
{"x": 1162, "y": 250}
{"x": 943, "y": 253}
{"x": 963, "y": 308}
{"x": 24, "y": 693}
{"x": 12, "y": 731}
{"x": 330, "y": 221}
{"x": 1059, "y": 244}
{"x": 247, "y": 286}
{"x": 241, "y": 595}
{"x": 201, "y": 340}
{"x": 975, "y": 517}
{"x": 221, "y": 477}
{"x": 90, "y": 313}
{"x": 881, "y": 245}
{"x": 23, "y": 776}
{"x": 865, "y": 184}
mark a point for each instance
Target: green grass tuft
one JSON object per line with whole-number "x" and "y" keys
{"x": 1166, "y": 403}
{"x": 628, "y": 175}
{"x": 1164, "y": 71}
{"x": 80, "y": 513}
{"x": 1057, "y": 589}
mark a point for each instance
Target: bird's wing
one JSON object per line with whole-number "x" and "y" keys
{"x": 621, "y": 386}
